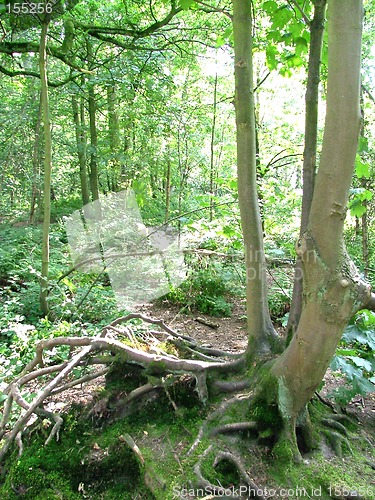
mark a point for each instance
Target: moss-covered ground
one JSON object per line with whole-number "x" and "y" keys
{"x": 93, "y": 459}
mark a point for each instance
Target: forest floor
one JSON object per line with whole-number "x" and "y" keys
{"x": 230, "y": 334}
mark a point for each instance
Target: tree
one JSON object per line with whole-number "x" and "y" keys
{"x": 81, "y": 141}
{"x": 44, "y": 103}
{"x": 333, "y": 289}
{"x": 261, "y": 331}
{"x": 282, "y": 384}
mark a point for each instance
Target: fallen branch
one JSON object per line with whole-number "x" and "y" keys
{"x": 23, "y": 419}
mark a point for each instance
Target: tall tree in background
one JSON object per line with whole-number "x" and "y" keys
{"x": 44, "y": 103}
{"x": 94, "y": 172}
{"x": 35, "y": 184}
{"x": 78, "y": 109}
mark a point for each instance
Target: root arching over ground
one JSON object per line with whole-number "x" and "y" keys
{"x": 238, "y": 401}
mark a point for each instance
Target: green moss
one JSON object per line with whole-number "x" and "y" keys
{"x": 283, "y": 451}
{"x": 85, "y": 459}
{"x": 325, "y": 479}
{"x": 264, "y": 407}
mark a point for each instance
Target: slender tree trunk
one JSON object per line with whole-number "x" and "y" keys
{"x": 47, "y": 164}
{"x": 35, "y": 186}
{"x": 333, "y": 290}
{"x": 114, "y": 134}
{"x": 94, "y": 173}
{"x": 365, "y": 239}
{"x": 168, "y": 185}
{"x": 364, "y": 221}
{"x": 260, "y": 328}
{"x": 310, "y": 151}
{"x": 212, "y": 151}
{"x": 79, "y": 121}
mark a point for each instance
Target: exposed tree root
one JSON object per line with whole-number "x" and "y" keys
{"x": 337, "y": 440}
{"x": 336, "y": 433}
{"x": 214, "y": 415}
{"x": 237, "y": 427}
{"x": 248, "y": 490}
{"x": 156, "y": 354}
{"x": 144, "y": 350}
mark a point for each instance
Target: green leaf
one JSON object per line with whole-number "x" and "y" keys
{"x": 233, "y": 184}
{"x": 271, "y": 52}
{"x": 229, "y": 231}
{"x": 354, "y": 334}
{"x": 362, "y": 169}
{"x": 186, "y": 4}
{"x": 363, "y": 145}
{"x": 270, "y": 6}
{"x": 281, "y": 18}
{"x": 357, "y": 209}
{"x": 301, "y": 45}
{"x": 363, "y": 386}
{"x": 361, "y": 363}
{"x": 219, "y": 41}
{"x": 341, "y": 364}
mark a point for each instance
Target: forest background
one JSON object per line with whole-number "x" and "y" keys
{"x": 141, "y": 96}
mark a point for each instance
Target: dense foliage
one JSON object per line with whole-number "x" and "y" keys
{"x": 141, "y": 98}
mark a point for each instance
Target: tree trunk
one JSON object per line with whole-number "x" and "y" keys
{"x": 333, "y": 290}
{"x": 260, "y": 328}
{"x": 310, "y": 150}
{"x": 47, "y": 164}
{"x": 35, "y": 186}
{"x": 79, "y": 121}
{"x": 94, "y": 174}
{"x": 167, "y": 188}
{"x": 212, "y": 150}
{"x": 365, "y": 237}
{"x": 114, "y": 135}
{"x": 364, "y": 221}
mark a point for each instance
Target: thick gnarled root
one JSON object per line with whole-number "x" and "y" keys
{"x": 144, "y": 347}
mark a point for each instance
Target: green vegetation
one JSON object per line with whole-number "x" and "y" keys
{"x": 145, "y": 98}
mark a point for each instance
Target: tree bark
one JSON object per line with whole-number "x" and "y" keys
{"x": 79, "y": 121}
{"x": 35, "y": 183}
{"x": 47, "y": 165}
{"x": 114, "y": 135}
{"x": 333, "y": 290}
{"x": 310, "y": 150}
{"x": 167, "y": 187}
{"x": 212, "y": 150}
{"x": 94, "y": 173}
{"x": 260, "y": 328}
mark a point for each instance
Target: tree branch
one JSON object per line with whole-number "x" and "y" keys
{"x": 11, "y": 48}
{"x": 51, "y": 84}
{"x": 211, "y": 8}
{"x": 301, "y": 11}
{"x": 366, "y": 90}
